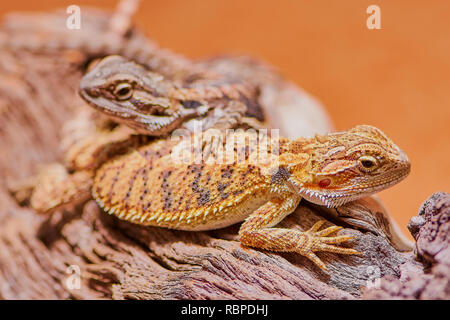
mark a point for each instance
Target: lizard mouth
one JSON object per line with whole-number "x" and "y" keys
{"x": 155, "y": 124}
{"x": 336, "y": 198}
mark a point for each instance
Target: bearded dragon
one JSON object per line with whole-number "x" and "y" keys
{"x": 153, "y": 105}
{"x": 149, "y": 186}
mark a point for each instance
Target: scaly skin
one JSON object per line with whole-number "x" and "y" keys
{"x": 148, "y": 187}
{"x": 152, "y": 105}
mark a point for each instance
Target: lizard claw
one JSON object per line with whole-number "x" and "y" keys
{"x": 319, "y": 241}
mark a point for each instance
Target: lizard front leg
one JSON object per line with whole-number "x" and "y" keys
{"x": 256, "y": 232}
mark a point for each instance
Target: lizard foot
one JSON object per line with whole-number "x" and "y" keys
{"x": 319, "y": 241}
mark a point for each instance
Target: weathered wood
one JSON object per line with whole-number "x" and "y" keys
{"x": 120, "y": 260}
{"x": 431, "y": 229}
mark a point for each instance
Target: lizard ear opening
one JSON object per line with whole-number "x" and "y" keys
{"x": 324, "y": 183}
{"x": 282, "y": 173}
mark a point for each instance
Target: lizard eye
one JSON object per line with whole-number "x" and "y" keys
{"x": 123, "y": 91}
{"x": 367, "y": 163}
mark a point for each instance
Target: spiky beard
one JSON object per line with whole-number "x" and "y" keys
{"x": 336, "y": 198}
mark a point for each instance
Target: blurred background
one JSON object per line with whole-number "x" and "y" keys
{"x": 396, "y": 78}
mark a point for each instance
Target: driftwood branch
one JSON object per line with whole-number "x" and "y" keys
{"x": 119, "y": 260}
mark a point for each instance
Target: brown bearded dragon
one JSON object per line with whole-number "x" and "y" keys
{"x": 149, "y": 186}
{"x": 328, "y": 170}
{"x": 153, "y": 105}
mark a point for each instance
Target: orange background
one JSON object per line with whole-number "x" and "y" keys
{"x": 396, "y": 78}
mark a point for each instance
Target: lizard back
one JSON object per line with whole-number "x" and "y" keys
{"x": 152, "y": 187}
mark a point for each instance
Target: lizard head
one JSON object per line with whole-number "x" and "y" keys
{"x": 132, "y": 95}
{"x": 341, "y": 167}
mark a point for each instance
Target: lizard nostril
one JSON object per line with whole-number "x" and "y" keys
{"x": 92, "y": 92}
